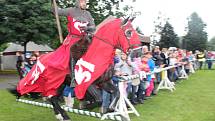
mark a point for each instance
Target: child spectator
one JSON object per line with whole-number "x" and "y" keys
{"x": 150, "y": 78}
{"x": 144, "y": 83}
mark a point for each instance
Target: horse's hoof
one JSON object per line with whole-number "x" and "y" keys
{"x": 59, "y": 117}
{"x": 82, "y": 105}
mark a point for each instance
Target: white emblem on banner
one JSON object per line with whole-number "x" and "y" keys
{"x": 78, "y": 24}
{"x": 38, "y": 70}
{"x": 81, "y": 75}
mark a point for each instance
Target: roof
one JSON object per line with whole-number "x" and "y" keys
{"x": 31, "y": 46}
{"x": 145, "y": 39}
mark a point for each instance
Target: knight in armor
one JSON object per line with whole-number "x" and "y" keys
{"x": 80, "y": 25}
{"x": 80, "y": 18}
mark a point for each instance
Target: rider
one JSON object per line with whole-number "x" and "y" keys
{"x": 80, "y": 18}
{"x": 80, "y": 22}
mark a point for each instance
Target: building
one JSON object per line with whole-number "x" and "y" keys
{"x": 145, "y": 40}
{"x": 8, "y": 56}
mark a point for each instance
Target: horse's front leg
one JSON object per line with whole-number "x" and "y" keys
{"x": 93, "y": 97}
{"x": 60, "y": 114}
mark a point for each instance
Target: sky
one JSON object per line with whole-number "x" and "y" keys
{"x": 177, "y": 10}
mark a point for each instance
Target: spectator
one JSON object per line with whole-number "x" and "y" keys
{"x": 20, "y": 64}
{"x": 158, "y": 61}
{"x": 201, "y": 58}
{"x": 150, "y": 90}
{"x": 165, "y": 57}
{"x": 209, "y": 58}
{"x": 68, "y": 92}
{"x": 107, "y": 97}
{"x": 136, "y": 64}
{"x": 144, "y": 49}
{"x": 124, "y": 68}
{"x": 37, "y": 54}
{"x": 173, "y": 74}
{"x": 144, "y": 82}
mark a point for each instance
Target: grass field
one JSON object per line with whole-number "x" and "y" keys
{"x": 9, "y": 72}
{"x": 2, "y": 80}
{"x": 193, "y": 100}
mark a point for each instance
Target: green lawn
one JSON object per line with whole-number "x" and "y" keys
{"x": 8, "y": 72}
{"x": 193, "y": 100}
{"x": 1, "y": 80}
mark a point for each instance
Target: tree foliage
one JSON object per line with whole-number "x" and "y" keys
{"x": 196, "y": 37}
{"x": 3, "y": 47}
{"x": 159, "y": 23}
{"x": 168, "y": 37}
{"x": 211, "y": 44}
{"x": 27, "y": 20}
{"x": 99, "y": 9}
{"x": 31, "y": 20}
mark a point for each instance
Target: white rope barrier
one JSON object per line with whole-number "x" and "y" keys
{"x": 165, "y": 82}
{"x": 142, "y": 74}
{"x": 68, "y": 109}
{"x": 211, "y": 59}
{"x": 123, "y": 106}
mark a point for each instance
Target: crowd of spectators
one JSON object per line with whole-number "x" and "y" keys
{"x": 142, "y": 59}
{"x": 25, "y": 63}
{"x": 141, "y": 89}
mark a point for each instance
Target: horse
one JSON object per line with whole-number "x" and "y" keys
{"x": 93, "y": 69}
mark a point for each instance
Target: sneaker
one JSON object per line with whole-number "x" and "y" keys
{"x": 104, "y": 110}
{"x": 82, "y": 105}
{"x": 141, "y": 101}
{"x": 134, "y": 102}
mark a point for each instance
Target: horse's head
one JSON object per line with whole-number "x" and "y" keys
{"x": 127, "y": 35}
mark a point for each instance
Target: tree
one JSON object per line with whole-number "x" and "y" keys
{"x": 31, "y": 20}
{"x": 3, "y": 47}
{"x": 158, "y": 27}
{"x": 99, "y": 9}
{"x": 168, "y": 37}
{"x": 211, "y": 44}
{"x": 196, "y": 37}
{"x": 27, "y": 20}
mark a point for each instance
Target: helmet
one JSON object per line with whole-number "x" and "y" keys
{"x": 77, "y": 3}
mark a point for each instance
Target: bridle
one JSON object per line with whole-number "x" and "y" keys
{"x": 118, "y": 46}
{"x": 128, "y": 37}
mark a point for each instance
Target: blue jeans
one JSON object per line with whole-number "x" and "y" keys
{"x": 129, "y": 88}
{"x": 106, "y": 99}
{"x": 141, "y": 90}
{"x": 210, "y": 63}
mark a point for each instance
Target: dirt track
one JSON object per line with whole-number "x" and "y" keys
{"x": 8, "y": 80}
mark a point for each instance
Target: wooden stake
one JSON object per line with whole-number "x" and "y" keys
{"x": 58, "y": 21}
